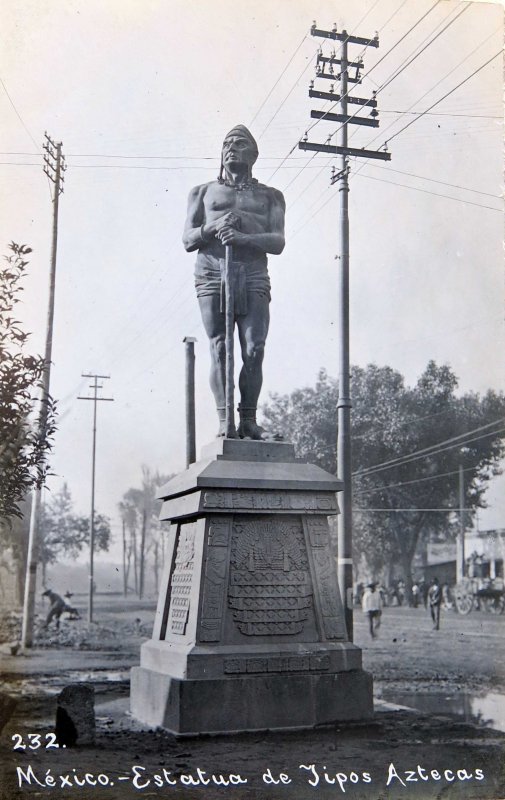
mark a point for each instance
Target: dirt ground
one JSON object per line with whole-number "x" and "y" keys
{"x": 401, "y": 753}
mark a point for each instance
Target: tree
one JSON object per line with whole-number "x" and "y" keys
{"x": 400, "y": 501}
{"x": 66, "y": 534}
{"x": 143, "y": 533}
{"x": 22, "y": 450}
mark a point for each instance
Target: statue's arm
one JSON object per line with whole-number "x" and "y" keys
{"x": 194, "y": 229}
{"x": 273, "y": 242}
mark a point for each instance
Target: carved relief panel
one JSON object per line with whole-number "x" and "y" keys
{"x": 214, "y": 581}
{"x": 270, "y": 591}
{"x": 181, "y": 580}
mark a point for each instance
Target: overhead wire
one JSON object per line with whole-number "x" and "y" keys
{"x": 434, "y": 180}
{"x": 411, "y": 60}
{"x": 304, "y": 70}
{"x": 356, "y": 113}
{"x": 445, "y": 96}
{"x": 427, "y": 191}
{"x": 375, "y": 489}
{"x": 448, "y": 444}
{"x": 277, "y": 82}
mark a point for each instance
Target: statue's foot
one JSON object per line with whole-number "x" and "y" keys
{"x": 222, "y": 432}
{"x": 249, "y": 429}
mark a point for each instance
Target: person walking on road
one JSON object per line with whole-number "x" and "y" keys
{"x": 435, "y": 601}
{"x": 372, "y": 607}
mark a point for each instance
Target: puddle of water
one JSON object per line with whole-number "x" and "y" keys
{"x": 486, "y": 710}
{"x": 101, "y": 675}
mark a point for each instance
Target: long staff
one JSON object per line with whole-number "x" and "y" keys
{"x": 230, "y": 431}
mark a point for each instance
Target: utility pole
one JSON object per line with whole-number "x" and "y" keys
{"x": 95, "y": 386}
{"x": 325, "y": 69}
{"x": 54, "y": 168}
{"x": 460, "y": 544}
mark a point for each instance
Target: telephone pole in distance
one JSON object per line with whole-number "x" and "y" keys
{"x": 325, "y": 69}
{"x": 95, "y": 386}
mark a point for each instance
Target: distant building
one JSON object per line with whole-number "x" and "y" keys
{"x": 484, "y": 556}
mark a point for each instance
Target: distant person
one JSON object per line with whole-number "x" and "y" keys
{"x": 372, "y": 607}
{"x": 415, "y": 594}
{"x": 358, "y": 594}
{"x": 435, "y": 601}
{"x": 57, "y": 607}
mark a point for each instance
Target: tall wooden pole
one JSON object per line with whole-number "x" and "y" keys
{"x": 55, "y": 175}
{"x": 95, "y": 386}
{"x": 460, "y": 545}
{"x": 344, "y": 391}
{"x": 341, "y": 177}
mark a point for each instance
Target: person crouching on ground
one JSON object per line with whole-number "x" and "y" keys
{"x": 57, "y": 607}
{"x": 372, "y": 607}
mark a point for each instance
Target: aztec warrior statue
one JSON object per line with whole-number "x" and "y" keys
{"x": 238, "y": 211}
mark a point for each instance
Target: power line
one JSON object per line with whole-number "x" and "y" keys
{"x": 366, "y": 75}
{"x": 414, "y": 510}
{"x": 443, "y": 113}
{"x": 427, "y": 191}
{"x": 404, "y": 66}
{"x": 431, "y": 447}
{"x": 462, "y": 61}
{"x": 441, "y": 80}
{"x": 11, "y": 101}
{"x": 446, "y": 95}
{"x": 436, "y": 449}
{"x": 416, "y": 480}
{"x": 304, "y": 70}
{"x": 434, "y": 180}
{"x": 277, "y": 82}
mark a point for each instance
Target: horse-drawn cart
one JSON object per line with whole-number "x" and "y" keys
{"x": 479, "y": 594}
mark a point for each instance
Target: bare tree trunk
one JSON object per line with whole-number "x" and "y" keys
{"x": 142, "y": 553}
{"x": 156, "y": 565}
{"x": 125, "y": 573}
{"x": 135, "y": 562}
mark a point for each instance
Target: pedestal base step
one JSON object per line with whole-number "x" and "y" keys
{"x": 249, "y": 703}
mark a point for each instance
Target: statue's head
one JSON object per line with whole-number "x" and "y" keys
{"x": 239, "y": 150}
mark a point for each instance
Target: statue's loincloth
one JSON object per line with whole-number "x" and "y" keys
{"x": 248, "y": 277}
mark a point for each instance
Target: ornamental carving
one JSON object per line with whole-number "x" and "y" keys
{"x": 270, "y": 591}
{"x": 181, "y": 580}
{"x": 326, "y": 579}
{"x": 214, "y": 581}
{"x": 267, "y": 500}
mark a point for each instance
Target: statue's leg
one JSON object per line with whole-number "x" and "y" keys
{"x": 215, "y": 327}
{"x": 253, "y": 330}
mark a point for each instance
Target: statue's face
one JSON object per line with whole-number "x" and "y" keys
{"x": 238, "y": 150}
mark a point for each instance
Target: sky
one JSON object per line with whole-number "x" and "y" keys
{"x": 141, "y": 95}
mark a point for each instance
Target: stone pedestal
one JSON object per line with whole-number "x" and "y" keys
{"x": 249, "y": 631}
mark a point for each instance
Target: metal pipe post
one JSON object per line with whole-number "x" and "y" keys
{"x": 189, "y": 341}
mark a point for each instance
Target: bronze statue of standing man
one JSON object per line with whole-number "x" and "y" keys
{"x": 236, "y": 210}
